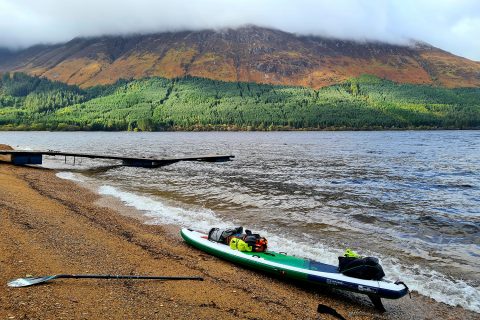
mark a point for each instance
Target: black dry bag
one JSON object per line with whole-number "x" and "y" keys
{"x": 221, "y": 235}
{"x": 367, "y": 268}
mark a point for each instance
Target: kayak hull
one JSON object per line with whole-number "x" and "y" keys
{"x": 294, "y": 268}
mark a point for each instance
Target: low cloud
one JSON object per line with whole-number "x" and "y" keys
{"x": 452, "y": 25}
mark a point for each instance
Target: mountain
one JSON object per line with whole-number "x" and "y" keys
{"x": 249, "y": 54}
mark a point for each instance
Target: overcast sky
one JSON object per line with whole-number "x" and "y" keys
{"x": 453, "y": 25}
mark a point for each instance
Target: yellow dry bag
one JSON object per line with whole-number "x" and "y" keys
{"x": 240, "y": 245}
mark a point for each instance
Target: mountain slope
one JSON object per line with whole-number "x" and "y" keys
{"x": 249, "y": 54}
{"x": 30, "y": 103}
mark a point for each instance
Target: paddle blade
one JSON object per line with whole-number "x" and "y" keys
{"x": 30, "y": 281}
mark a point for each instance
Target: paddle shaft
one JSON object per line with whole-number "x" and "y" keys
{"x": 111, "y": 276}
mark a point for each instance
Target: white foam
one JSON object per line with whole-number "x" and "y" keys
{"x": 69, "y": 176}
{"x": 431, "y": 283}
{"x": 159, "y": 213}
{"x": 423, "y": 280}
{"x": 26, "y": 148}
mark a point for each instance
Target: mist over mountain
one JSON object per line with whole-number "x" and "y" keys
{"x": 249, "y": 53}
{"x": 450, "y": 25}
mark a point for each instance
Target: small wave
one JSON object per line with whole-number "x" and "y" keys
{"x": 69, "y": 176}
{"x": 453, "y": 186}
{"x": 160, "y": 213}
{"x": 27, "y": 148}
{"x": 431, "y": 283}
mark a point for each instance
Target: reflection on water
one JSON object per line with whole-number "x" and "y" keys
{"x": 409, "y": 196}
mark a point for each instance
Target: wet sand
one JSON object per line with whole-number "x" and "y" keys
{"x": 50, "y": 226}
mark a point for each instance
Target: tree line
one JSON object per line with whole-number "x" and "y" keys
{"x": 189, "y": 103}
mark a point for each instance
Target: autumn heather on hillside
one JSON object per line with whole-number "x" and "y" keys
{"x": 247, "y": 54}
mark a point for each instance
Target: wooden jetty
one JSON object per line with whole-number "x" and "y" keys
{"x": 24, "y": 157}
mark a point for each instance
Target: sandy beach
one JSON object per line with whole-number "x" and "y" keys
{"x": 50, "y": 226}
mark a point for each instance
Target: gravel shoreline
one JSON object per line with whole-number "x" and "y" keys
{"x": 49, "y": 226}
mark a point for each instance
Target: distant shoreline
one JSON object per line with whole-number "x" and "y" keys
{"x": 233, "y": 129}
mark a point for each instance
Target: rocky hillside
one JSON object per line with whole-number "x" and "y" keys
{"x": 249, "y": 54}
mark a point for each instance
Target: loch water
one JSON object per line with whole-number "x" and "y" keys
{"x": 411, "y": 198}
